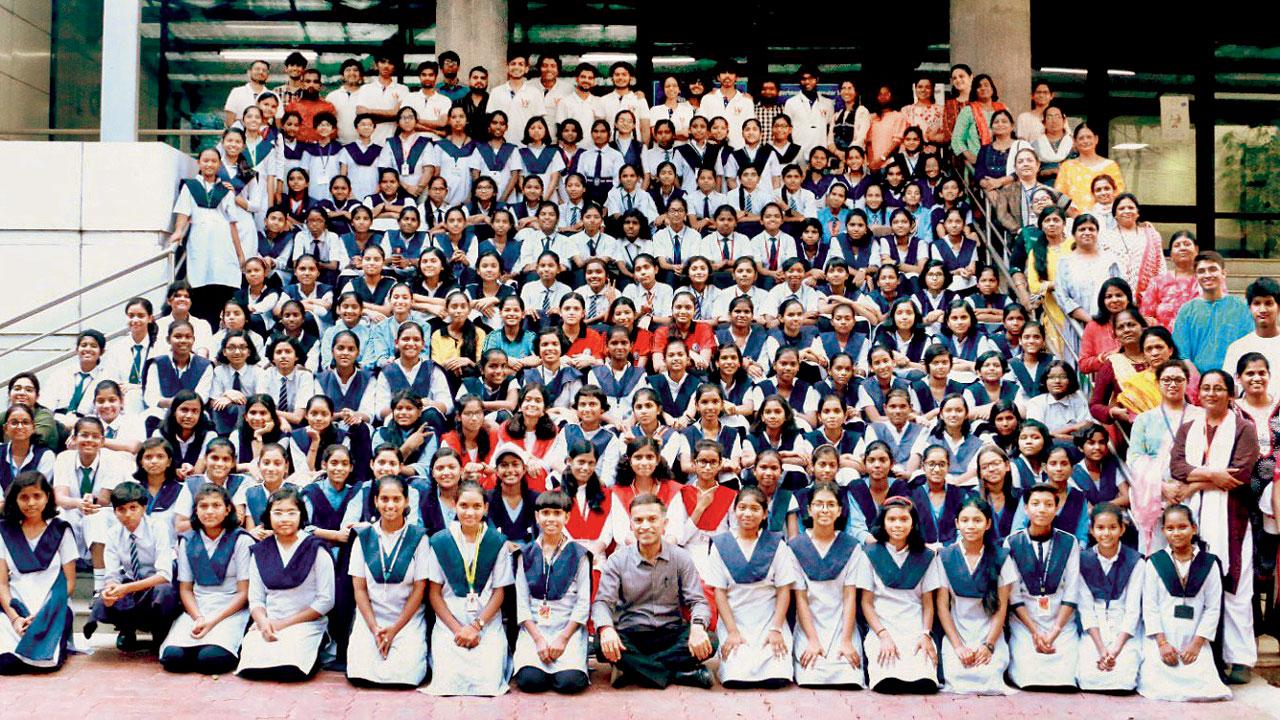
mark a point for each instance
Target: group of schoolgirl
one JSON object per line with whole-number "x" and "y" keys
{"x": 930, "y": 614}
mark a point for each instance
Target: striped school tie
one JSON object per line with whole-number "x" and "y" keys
{"x": 283, "y": 401}
{"x": 135, "y": 565}
{"x": 135, "y": 372}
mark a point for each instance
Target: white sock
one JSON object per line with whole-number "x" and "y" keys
{"x": 99, "y": 579}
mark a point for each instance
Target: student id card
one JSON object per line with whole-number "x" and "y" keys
{"x": 473, "y": 604}
{"x": 1043, "y": 607}
{"x": 544, "y": 612}
{"x": 1184, "y": 612}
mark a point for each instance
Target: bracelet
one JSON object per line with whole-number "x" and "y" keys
{"x": 991, "y": 648}
{"x": 881, "y": 631}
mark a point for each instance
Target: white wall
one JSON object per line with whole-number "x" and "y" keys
{"x": 112, "y": 210}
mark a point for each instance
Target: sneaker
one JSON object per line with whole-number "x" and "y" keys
{"x": 89, "y": 629}
{"x": 1238, "y": 675}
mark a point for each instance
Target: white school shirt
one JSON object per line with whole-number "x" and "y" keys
{"x": 690, "y": 243}
{"x": 567, "y": 210}
{"x": 64, "y": 386}
{"x": 331, "y": 247}
{"x": 152, "y": 396}
{"x": 556, "y": 166}
{"x": 108, "y": 470}
{"x": 531, "y": 239}
{"x": 629, "y": 250}
{"x": 809, "y": 120}
{"x": 680, "y": 116}
{"x": 364, "y": 178}
{"x": 154, "y": 543}
{"x": 376, "y": 96}
{"x": 429, "y": 156}
{"x": 607, "y": 246}
{"x": 736, "y": 110}
{"x": 502, "y": 175}
{"x": 119, "y": 357}
{"x": 278, "y": 166}
{"x": 611, "y": 161}
{"x": 601, "y": 305}
{"x": 772, "y": 168}
{"x": 613, "y": 103}
{"x": 807, "y": 296}
{"x": 737, "y": 198}
{"x": 534, "y": 293}
{"x": 804, "y": 203}
{"x": 688, "y": 174}
{"x": 203, "y": 341}
{"x": 432, "y": 108}
{"x": 252, "y": 381}
{"x": 739, "y": 246}
{"x": 703, "y": 205}
{"x": 520, "y": 105}
{"x": 654, "y": 156}
{"x": 662, "y": 296}
{"x": 786, "y": 248}
{"x": 439, "y": 387}
{"x": 321, "y": 168}
{"x": 585, "y": 110}
{"x": 620, "y": 201}
{"x": 300, "y": 386}
{"x": 126, "y": 428}
{"x": 344, "y": 106}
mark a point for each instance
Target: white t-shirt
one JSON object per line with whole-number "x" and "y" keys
{"x": 1270, "y": 349}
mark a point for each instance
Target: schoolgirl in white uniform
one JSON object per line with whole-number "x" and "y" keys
{"x": 830, "y": 654}
{"x": 973, "y": 602}
{"x": 469, "y": 571}
{"x": 389, "y": 560}
{"x": 752, "y": 573}
{"x": 291, "y": 589}
{"x": 213, "y": 585}
{"x": 553, "y": 602}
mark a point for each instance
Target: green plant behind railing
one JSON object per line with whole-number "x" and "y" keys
{"x": 1249, "y": 182}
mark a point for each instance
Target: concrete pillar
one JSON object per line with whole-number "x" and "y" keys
{"x": 994, "y": 37}
{"x": 477, "y": 30}
{"x": 121, "y": 48}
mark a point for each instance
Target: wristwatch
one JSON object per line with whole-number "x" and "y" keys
{"x": 991, "y": 648}
{"x": 699, "y": 622}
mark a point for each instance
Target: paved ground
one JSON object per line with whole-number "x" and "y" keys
{"x": 109, "y": 684}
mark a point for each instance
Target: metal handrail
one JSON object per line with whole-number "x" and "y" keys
{"x": 28, "y": 343}
{"x": 73, "y": 351}
{"x": 164, "y": 254}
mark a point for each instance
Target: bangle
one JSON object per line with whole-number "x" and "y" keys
{"x": 881, "y": 631}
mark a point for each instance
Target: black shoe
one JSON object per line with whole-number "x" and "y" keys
{"x": 700, "y": 678}
{"x": 619, "y": 679}
{"x": 128, "y": 642}
{"x": 89, "y": 629}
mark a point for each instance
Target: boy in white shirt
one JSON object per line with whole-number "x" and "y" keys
{"x": 520, "y": 99}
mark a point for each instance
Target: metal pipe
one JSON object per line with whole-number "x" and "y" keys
{"x": 91, "y": 286}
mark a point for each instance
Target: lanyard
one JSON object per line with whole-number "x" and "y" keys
{"x": 546, "y": 576}
{"x": 388, "y": 559}
{"x": 469, "y": 569}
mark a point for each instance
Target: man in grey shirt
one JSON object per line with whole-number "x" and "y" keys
{"x": 637, "y": 610}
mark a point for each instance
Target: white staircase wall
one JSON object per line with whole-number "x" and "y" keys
{"x": 75, "y": 213}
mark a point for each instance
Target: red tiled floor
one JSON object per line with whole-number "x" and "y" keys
{"x": 109, "y": 684}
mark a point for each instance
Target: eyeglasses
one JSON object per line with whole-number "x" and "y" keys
{"x": 285, "y": 513}
{"x": 1173, "y": 381}
{"x": 936, "y": 464}
{"x": 825, "y": 505}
